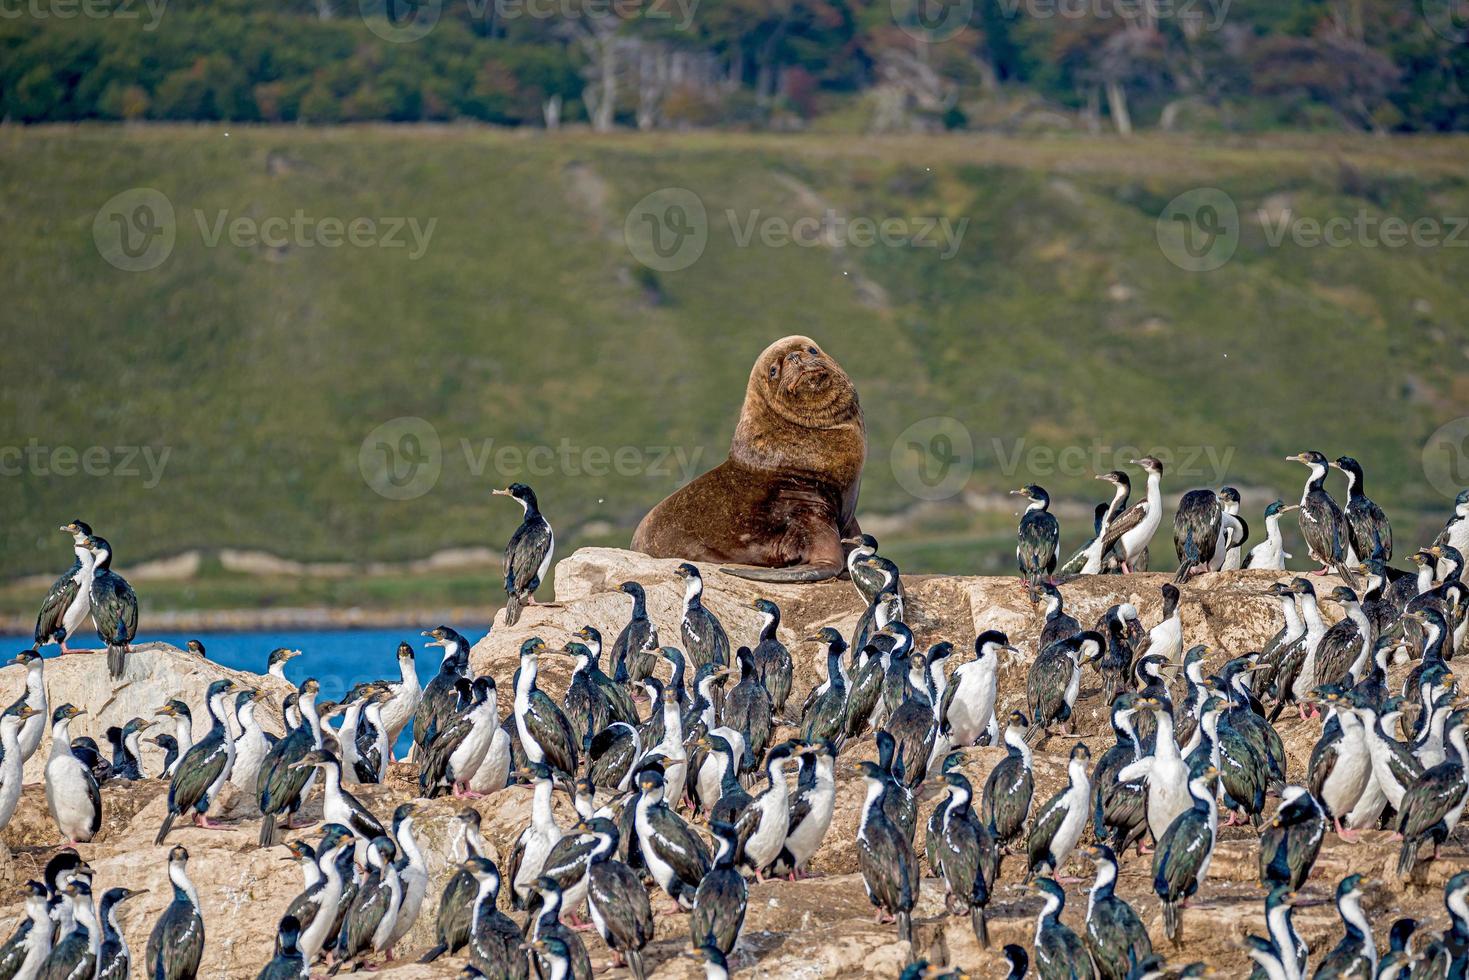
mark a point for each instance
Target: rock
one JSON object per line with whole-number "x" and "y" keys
{"x": 818, "y": 927}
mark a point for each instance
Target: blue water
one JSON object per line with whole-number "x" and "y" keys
{"x": 337, "y": 658}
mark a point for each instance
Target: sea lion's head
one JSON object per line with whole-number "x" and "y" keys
{"x": 802, "y": 384}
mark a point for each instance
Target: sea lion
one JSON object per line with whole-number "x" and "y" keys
{"x": 787, "y": 495}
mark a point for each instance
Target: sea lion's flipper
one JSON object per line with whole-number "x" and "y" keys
{"x": 790, "y": 575}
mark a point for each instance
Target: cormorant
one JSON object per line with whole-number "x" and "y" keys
{"x": 177, "y": 941}
{"x": 114, "y": 607}
{"x": 1039, "y": 539}
{"x": 528, "y": 554}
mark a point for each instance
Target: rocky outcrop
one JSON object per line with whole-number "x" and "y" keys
{"x": 820, "y": 927}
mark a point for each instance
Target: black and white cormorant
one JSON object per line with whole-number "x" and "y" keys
{"x": 35, "y": 697}
{"x": 177, "y": 940}
{"x": 281, "y": 784}
{"x": 870, "y": 572}
{"x": 338, "y": 805}
{"x": 1059, "y": 624}
{"x": 206, "y": 766}
{"x": 1114, "y": 935}
{"x": 440, "y": 698}
{"x": 1368, "y": 532}
{"x": 536, "y": 841}
{"x": 634, "y": 652}
{"x": 252, "y": 745}
{"x": 1433, "y": 807}
{"x": 772, "y": 659}
{"x": 1038, "y": 545}
{"x": 1018, "y": 960}
{"x": 528, "y": 555}
{"x": 1130, "y": 532}
{"x": 719, "y": 902}
{"x": 1010, "y": 784}
{"x": 704, "y": 639}
{"x": 1196, "y": 527}
{"x": 28, "y": 946}
{"x": 456, "y": 753}
{"x": 275, "y": 664}
{"x": 1323, "y": 525}
{"x": 404, "y": 696}
{"x": 287, "y": 963}
{"x": 372, "y": 918}
{"x": 72, "y": 795}
{"x": 1399, "y": 958}
{"x": 1340, "y": 765}
{"x": 74, "y": 956}
{"x": 67, "y": 605}
{"x": 763, "y": 826}
{"x": 1456, "y": 530}
{"x": 968, "y": 857}
{"x": 1234, "y": 531}
{"x": 1270, "y": 553}
{"x": 618, "y": 903}
{"x": 545, "y": 927}
{"x": 1059, "y": 952}
{"x": 676, "y": 855}
{"x": 114, "y": 608}
{"x": 1185, "y": 852}
{"x": 970, "y": 695}
{"x": 12, "y": 760}
{"x": 1054, "y": 680}
{"x": 495, "y": 941}
{"x": 456, "y": 901}
{"x": 1060, "y": 821}
{"x": 586, "y": 704}
{"x": 1119, "y": 808}
{"x": 1292, "y": 839}
{"x": 885, "y": 856}
{"x": 825, "y": 715}
{"x": 1355, "y": 954}
{"x": 619, "y": 696}
{"x": 114, "y": 961}
{"x": 170, "y": 748}
{"x": 811, "y": 808}
{"x": 1093, "y": 559}
{"x": 546, "y": 735}
{"x": 183, "y": 729}
{"x": 748, "y": 707}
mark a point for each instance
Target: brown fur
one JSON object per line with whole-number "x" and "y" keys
{"x": 787, "y": 494}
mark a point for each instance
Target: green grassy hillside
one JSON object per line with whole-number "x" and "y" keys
{"x": 526, "y": 320}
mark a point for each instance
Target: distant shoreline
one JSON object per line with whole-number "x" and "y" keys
{"x": 299, "y": 618}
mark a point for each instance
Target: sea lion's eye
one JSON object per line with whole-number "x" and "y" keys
{"x": 774, "y": 369}
{"x": 813, "y": 350}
